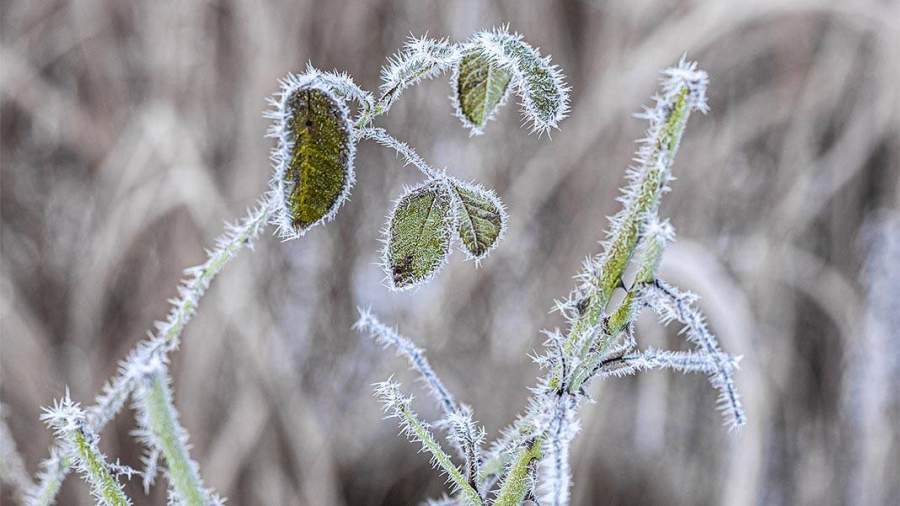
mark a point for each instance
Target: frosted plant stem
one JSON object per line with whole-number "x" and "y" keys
{"x": 519, "y": 479}
{"x": 683, "y": 91}
{"x": 397, "y": 405}
{"x": 381, "y": 136}
{"x": 166, "y": 338}
{"x": 672, "y": 304}
{"x": 462, "y": 431}
{"x": 68, "y": 422}
{"x": 160, "y": 429}
{"x": 656, "y": 236}
{"x": 49, "y": 480}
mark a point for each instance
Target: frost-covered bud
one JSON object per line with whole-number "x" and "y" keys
{"x": 314, "y": 156}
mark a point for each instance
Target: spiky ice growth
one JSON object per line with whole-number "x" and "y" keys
{"x": 462, "y": 431}
{"x": 69, "y": 424}
{"x": 399, "y": 406}
{"x": 561, "y": 427}
{"x": 162, "y": 434}
{"x": 683, "y": 90}
{"x": 600, "y": 341}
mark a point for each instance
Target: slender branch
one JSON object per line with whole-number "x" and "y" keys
{"x": 166, "y": 338}
{"x": 158, "y": 420}
{"x": 396, "y": 405}
{"x": 410, "y": 157}
{"x": 671, "y": 304}
{"x": 463, "y": 433}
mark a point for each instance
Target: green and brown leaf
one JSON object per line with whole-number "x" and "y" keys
{"x": 418, "y": 239}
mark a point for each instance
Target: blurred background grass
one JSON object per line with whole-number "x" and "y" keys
{"x": 130, "y": 130}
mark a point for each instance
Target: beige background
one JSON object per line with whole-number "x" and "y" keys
{"x": 131, "y": 130}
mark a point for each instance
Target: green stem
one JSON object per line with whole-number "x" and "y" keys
{"x": 162, "y": 422}
{"x": 440, "y": 456}
{"x": 518, "y": 481}
{"x": 107, "y": 489}
{"x": 631, "y": 223}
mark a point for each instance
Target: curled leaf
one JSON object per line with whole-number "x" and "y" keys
{"x": 314, "y": 158}
{"x": 545, "y": 96}
{"x": 481, "y": 220}
{"x": 480, "y": 85}
{"x": 418, "y": 235}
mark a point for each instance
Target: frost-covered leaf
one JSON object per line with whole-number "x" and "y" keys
{"x": 480, "y": 87}
{"x": 418, "y": 234}
{"x": 481, "y": 220}
{"x": 314, "y": 159}
{"x": 545, "y": 96}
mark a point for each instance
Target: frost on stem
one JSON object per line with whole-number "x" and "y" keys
{"x": 160, "y": 431}
{"x": 540, "y": 84}
{"x": 600, "y": 343}
{"x": 397, "y": 405}
{"x": 462, "y": 431}
{"x": 518, "y": 484}
{"x": 671, "y": 304}
{"x": 79, "y": 442}
{"x": 683, "y": 90}
{"x": 561, "y": 427}
{"x": 314, "y": 155}
{"x": 49, "y": 479}
{"x": 421, "y": 58}
{"x": 165, "y": 338}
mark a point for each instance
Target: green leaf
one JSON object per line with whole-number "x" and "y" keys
{"x": 545, "y": 96}
{"x": 418, "y": 235}
{"x": 319, "y": 166}
{"x": 481, "y": 85}
{"x": 481, "y": 219}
